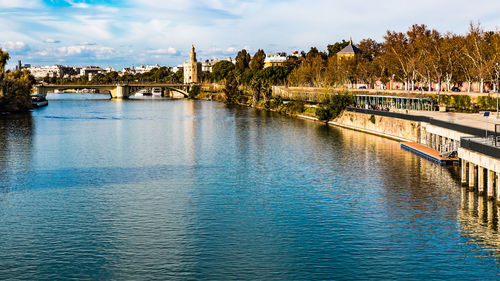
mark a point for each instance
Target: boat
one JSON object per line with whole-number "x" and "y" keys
{"x": 39, "y": 101}
{"x": 143, "y": 92}
{"x": 157, "y": 92}
{"x": 59, "y": 91}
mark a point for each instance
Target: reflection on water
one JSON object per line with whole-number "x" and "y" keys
{"x": 478, "y": 218}
{"x": 16, "y": 146}
{"x": 178, "y": 189}
{"x": 77, "y": 96}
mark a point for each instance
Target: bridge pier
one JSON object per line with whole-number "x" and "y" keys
{"x": 120, "y": 92}
{"x": 39, "y": 90}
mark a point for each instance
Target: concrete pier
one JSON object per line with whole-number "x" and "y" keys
{"x": 464, "y": 172}
{"x": 480, "y": 180}
{"x": 498, "y": 187}
{"x": 491, "y": 179}
{"x": 472, "y": 176}
{"x": 485, "y": 168}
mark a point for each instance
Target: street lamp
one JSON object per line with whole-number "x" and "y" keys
{"x": 496, "y": 85}
{"x": 439, "y": 90}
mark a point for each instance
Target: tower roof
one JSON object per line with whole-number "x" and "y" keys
{"x": 350, "y": 49}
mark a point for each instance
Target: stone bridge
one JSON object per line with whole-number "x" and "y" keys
{"x": 120, "y": 91}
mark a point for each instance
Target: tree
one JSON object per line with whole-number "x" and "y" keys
{"x": 231, "y": 90}
{"x": 242, "y": 61}
{"x": 257, "y": 62}
{"x": 369, "y": 48}
{"x": 15, "y": 89}
{"x": 4, "y": 57}
{"x": 256, "y": 87}
{"x": 336, "y": 47}
{"x": 333, "y": 106}
{"x": 221, "y": 70}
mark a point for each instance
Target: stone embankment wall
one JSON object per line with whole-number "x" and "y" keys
{"x": 399, "y": 129}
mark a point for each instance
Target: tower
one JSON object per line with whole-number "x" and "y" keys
{"x": 192, "y": 69}
{"x": 192, "y": 57}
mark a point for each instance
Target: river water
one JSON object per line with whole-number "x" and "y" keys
{"x": 177, "y": 189}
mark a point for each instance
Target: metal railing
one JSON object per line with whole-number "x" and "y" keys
{"x": 484, "y": 146}
{"x": 390, "y": 114}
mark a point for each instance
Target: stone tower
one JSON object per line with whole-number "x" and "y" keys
{"x": 192, "y": 69}
{"x": 192, "y": 57}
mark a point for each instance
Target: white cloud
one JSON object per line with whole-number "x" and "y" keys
{"x": 90, "y": 51}
{"x": 163, "y": 31}
{"x": 80, "y": 5}
{"x": 15, "y": 46}
{"x": 51, "y": 41}
{"x": 10, "y": 4}
{"x": 168, "y": 51}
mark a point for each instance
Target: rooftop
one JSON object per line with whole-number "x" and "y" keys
{"x": 350, "y": 49}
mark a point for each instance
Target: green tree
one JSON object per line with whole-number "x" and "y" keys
{"x": 15, "y": 89}
{"x": 336, "y": 47}
{"x": 242, "y": 61}
{"x": 194, "y": 91}
{"x": 4, "y": 57}
{"x": 221, "y": 70}
{"x": 333, "y": 106}
{"x": 257, "y": 62}
{"x": 256, "y": 87}
{"x": 231, "y": 90}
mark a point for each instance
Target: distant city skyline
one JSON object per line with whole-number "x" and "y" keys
{"x": 133, "y": 32}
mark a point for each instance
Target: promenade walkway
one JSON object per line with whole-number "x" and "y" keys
{"x": 474, "y": 120}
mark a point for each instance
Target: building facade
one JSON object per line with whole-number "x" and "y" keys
{"x": 192, "y": 69}
{"x": 277, "y": 59}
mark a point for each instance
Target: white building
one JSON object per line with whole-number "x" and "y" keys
{"x": 91, "y": 70}
{"x": 177, "y": 68}
{"x": 277, "y": 59}
{"x": 40, "y": 72}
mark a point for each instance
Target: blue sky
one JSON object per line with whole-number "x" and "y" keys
{"x": 131, "y": 32}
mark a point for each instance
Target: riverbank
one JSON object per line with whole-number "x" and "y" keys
{"x": 301, "y": 109}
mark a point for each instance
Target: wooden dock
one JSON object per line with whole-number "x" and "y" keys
{"x": 428, "y": 153}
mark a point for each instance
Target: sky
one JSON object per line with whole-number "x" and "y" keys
{"x": 133, "y": 32}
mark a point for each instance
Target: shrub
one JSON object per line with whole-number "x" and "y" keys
{"x": 194, "y": 91}
{"x": 333, "y": 106}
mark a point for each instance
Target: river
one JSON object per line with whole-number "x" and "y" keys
{"x": 178, "y": 189}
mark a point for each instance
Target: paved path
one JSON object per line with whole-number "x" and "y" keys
{"x": 475, "y": 120}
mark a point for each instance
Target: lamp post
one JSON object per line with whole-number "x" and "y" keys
{"x": 496, "y": 85}
{"x": 439, "y": 91}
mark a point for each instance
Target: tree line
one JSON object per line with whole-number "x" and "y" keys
{"x": 15, "y": 87}
{"x": 419, "y": 58}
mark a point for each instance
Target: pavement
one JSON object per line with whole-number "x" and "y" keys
{"x": 474, "y": 120}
